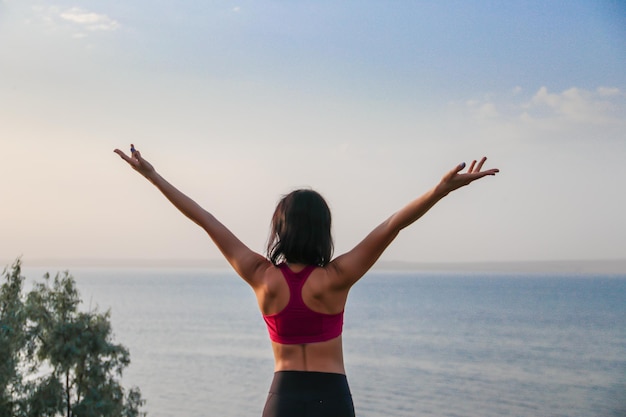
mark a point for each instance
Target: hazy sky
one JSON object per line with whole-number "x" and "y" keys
{"x": 368, "y": 102}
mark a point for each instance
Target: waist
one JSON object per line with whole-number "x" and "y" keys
{"x": 315, "y": 357}
{"x": 308, "y": 382}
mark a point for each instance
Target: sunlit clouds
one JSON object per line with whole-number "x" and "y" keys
{"x": 89, "y": 20}
{"x": 76, "y": 20}
{"x": 571, "y": 108}
{"x": 579, "y": 106}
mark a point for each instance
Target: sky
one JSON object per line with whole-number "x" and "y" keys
{"x": 368, "y": 102}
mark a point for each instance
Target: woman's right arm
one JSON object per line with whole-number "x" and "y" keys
{"x": 247, "y": 263}
{"x": 351, "y": 266}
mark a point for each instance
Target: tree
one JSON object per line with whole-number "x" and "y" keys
{"x": 13, "y": 339}
{"x": 71, "y": 362}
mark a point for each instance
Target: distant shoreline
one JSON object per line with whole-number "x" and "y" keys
{"x": 611, "y": 266}
{"x": 607, "y": 266}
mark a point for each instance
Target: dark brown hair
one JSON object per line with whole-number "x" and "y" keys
{"x": 300, "y": 230}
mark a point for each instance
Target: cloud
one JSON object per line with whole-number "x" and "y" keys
{"x": 569, "y": 108}
{"x": 575, "y": 105}
{"x": 55, "y": 18}
{"x": 89, "y": 20}
{"x": 483, "y": 110}
{"x": 606, "y": 91}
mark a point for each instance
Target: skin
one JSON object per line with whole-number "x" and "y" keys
{"x": 327, "y": 288}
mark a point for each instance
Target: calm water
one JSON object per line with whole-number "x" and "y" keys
{"x": 416, "y": 344}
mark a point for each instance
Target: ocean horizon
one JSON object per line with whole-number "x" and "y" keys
{"x": 574, "y": 266}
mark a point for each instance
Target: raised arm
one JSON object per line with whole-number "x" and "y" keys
{"x": 246, "y": 262}
{"x": 351, "y": 266}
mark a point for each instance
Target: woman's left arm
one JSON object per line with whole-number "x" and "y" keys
{"x": 351, "y": 266}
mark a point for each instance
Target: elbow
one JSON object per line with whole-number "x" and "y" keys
{"x": 390, "y": 229}
{"x": 394, "y": 224}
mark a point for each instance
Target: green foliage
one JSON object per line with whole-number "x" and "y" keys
{"x": 13, "y": 338}
{"x": 56, "y": 360}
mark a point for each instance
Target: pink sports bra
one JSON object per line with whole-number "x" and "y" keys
{"x": 297, "y": 323}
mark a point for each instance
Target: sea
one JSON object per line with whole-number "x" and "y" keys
{"x": 416, "y": 343}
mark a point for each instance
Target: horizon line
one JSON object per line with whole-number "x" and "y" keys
{"x": 579, "y": 266}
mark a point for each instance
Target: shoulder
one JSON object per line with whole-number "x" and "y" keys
{"x": 327, "y": 279}
{"x": 337, "y": 276}
{"x": 268, "y": 276}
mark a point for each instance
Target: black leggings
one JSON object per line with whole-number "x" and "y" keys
{"x": 309, "y": 394}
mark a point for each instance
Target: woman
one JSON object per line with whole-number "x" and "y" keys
{"x": 301, "y": 292}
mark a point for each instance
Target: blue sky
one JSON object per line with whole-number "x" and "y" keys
{"x": 239, "y": 102}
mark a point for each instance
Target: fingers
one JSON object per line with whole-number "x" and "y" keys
{"x": 492, "y": 171}
{"x": 134, "y": 154}
{"x": 454, "y": 171}
{"x": 475, "y": 167}
{"x": 122, "y": 155}
{"x": 478, "y": 169}
{"x": 481, "y": 163}
{"x": 457, "y": 169}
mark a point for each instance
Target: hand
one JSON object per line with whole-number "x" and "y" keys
{"x": 454, "y": 179}
{"x": 137, "y": 162}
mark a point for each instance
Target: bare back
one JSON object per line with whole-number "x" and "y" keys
{"x": 318, "y": 295}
